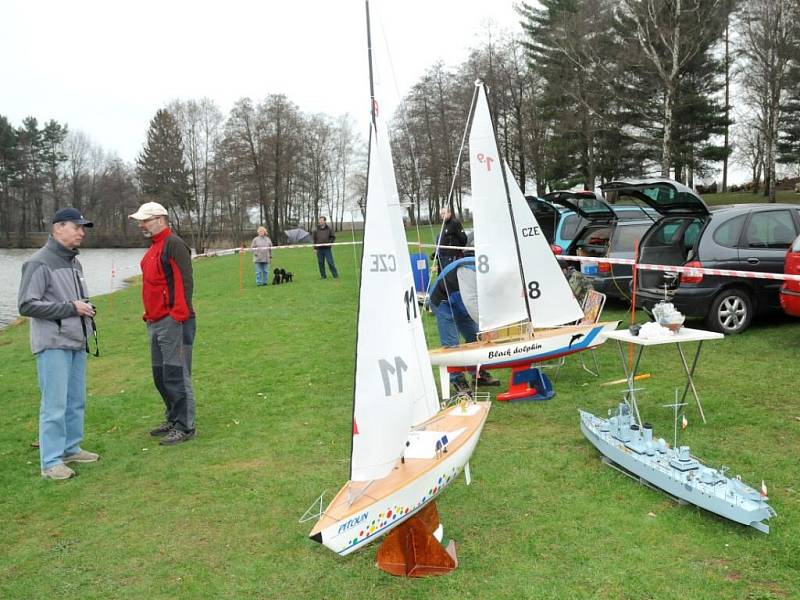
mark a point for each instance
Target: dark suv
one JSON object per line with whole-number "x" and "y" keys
{"x": 743, "y": 237}
{"x": 616, "y": 240}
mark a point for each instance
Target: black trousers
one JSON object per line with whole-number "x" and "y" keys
{"x": 171, "y": 358}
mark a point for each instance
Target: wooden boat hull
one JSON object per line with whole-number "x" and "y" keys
{"x": 542, "y": 346}
{"x": 346, "y": 526}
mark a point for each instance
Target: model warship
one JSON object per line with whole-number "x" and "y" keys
{"x": 674, "y": 470}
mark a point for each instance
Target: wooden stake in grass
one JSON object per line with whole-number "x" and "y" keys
{"x": 111, "y": 295}
{"x": 618, "y": 381}
{"x": 241, "y": 268}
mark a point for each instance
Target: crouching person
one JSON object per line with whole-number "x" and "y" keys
{"x": 454, "y": 302}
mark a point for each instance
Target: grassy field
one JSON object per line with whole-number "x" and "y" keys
{"x": 749, "y": 198}
{"x": 273, "y": 372}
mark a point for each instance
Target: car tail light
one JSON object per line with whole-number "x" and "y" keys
{"x": 686, "y": 278}
{"x": 556, "y": 249}
{"x": 792, "y": 267}
{"x": 603, "y": 267}
{"x": 792, "y": 263}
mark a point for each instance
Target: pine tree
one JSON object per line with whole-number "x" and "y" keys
{"x": 699, "y": 118}
{"x": 789, "y": 140}
{"x": 29, "y": 161}
{"x": 8, "y": 173}
{"x": 53, "y": 155}
{"x": 571, "y": 46}
{"x": 161, "y": 167}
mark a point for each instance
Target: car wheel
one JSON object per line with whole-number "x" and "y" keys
{"x": 731, "y": 311}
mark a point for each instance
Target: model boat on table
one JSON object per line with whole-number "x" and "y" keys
{"x": 674, "y": 470}
{"x": 527, "y": 311}
{"x": 406, "y": 448}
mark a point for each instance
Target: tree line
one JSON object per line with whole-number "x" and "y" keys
{"x": 585, "y": 91}
{"x": 593, "y": 90}
{"x": 266, "y": 162}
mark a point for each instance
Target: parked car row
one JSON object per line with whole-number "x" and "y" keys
{"x": 675, "y": 227}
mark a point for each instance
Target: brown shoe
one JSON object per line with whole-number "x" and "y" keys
{"x": 84, "y": 456}
{"x": 60, "y": 471}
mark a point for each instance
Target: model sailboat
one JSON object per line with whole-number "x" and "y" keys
{"x": 519, "y": 281}
{"x": 405, "y": 450}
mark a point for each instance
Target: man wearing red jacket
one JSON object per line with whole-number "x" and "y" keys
{"x": 167, "y": 297}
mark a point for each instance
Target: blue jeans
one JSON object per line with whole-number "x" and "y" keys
{"x": 326, "y": 255}
{"x": 62, "y": 381}
{"x": 452, "y": 323}
{"x": 262, "y": 273}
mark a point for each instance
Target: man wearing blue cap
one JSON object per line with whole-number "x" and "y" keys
{"x": 53, "y": 294}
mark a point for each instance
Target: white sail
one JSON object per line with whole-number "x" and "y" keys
{"x": 501, "y": 299}
{"x": 386, "y": 357}
{"x": 550, "y": 297}
{"x": 422, "y": 386}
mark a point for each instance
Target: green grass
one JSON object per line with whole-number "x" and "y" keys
{"x": 749, "y": 197}
{"x": 273, "y": 370}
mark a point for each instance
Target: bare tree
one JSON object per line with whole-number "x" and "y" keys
{"x": 316, "y": 174}
{"x": 749, "y": 146}
{"x": 76, "y": 147}
{"x": 201, "y": 131}
{"x": 769, "y": 37}
{"x": 245, "y": 144}
{"x": 343, "y": 153}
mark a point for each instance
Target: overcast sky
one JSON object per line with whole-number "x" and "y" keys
{"x": 105, "y": 67}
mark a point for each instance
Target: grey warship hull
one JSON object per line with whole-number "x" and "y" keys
{"x": 674, "y": 470}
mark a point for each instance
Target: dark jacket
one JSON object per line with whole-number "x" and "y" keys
{"x": 323, "y": 235}
{"x": 452, "y": 235}
{"x": 167, "y": 281}
{"x": 51, "y": 279}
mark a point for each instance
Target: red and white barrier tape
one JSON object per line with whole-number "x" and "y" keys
{"x": 695, "y": 271}
{"x": 679, "y": 269}
{"x": 229, "y": 251}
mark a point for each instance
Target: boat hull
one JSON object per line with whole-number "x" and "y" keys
{"x": 542, "y": 346}
{"x": 345, "y": 525}
{"x": 721, "y": 498}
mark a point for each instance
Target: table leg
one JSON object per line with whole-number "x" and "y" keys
{"x": 631, "y": 377}
{"x": 690, "y": 377}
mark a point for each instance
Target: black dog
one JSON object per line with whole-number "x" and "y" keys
{"x": 281, "y": 276}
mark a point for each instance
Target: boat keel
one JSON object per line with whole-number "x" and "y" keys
{"x": 411, "y": 550}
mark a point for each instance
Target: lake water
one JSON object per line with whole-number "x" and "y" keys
{"x": 98, "y": 266}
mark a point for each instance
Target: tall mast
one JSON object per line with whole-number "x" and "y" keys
{"x": 369, "y": 58}
{"x": 354, "y": 428}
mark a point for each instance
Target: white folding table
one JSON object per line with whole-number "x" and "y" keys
{"x": 623, "y": 336}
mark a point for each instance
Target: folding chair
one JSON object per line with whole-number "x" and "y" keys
{"x": 593, "y": 303}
